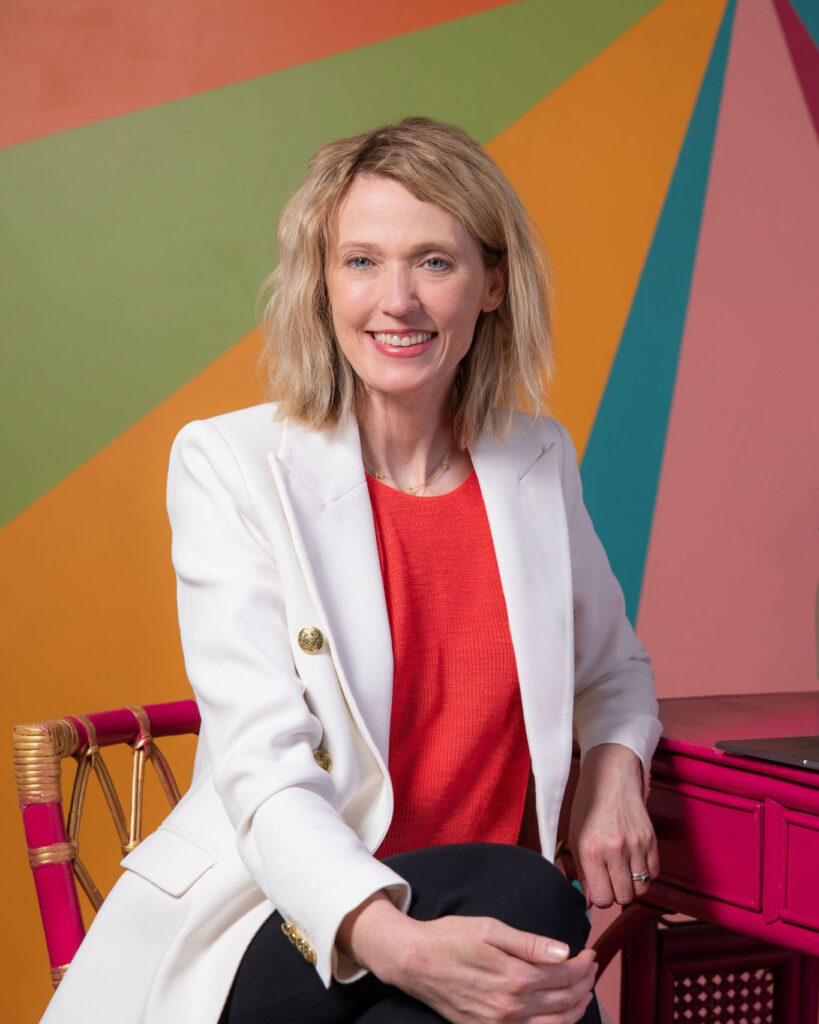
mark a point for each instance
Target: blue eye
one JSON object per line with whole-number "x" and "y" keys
{"x": 439, "y": 261}
{"x": 359, "y": 262}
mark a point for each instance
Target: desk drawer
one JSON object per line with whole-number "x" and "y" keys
{"x": 801, "y": 869}
{"x": 710, "y": 842}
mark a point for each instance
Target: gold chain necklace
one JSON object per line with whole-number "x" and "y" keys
{"x": 412, "y": 490}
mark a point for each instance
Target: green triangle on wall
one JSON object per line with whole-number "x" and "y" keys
{"x": 134, "y": 248}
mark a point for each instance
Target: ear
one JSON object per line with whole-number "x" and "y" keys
{"x": 495, "y": 286}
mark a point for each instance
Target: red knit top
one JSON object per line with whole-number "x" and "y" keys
{"x": 459, "y": 759}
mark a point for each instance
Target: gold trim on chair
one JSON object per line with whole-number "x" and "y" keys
{"x": 146, "y": 741}
{"x": 52, "y": 827}
{"x": 39, "y": 748}
{"x": 56, "y": 853}
{"x": 58, "y": 973}
{"x": 91, "y": 760}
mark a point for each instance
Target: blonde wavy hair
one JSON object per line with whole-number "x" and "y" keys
{"x": 510, "y": 361}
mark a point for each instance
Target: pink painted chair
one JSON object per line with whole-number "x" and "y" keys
{"x": 52, "y": 838}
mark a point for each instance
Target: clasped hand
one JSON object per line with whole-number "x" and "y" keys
{"x": 477, "y": 969}
{"x": 472, "y": 969}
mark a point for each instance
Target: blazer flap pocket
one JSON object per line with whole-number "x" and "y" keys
{"x": 170, "y": 861}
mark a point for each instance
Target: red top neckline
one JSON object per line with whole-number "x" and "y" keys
{"x": 423, "y": 497}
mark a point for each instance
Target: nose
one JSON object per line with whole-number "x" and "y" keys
{"x": 398, "y": 297}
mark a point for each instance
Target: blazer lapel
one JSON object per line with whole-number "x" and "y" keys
{"x": 521, "y": 488}
{"x": 324, "y": 492}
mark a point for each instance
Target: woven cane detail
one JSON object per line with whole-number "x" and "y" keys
{"x": 55, "y": 853}
{"x": 39, "y": 747}
{"x": 144, "y": 738}
{"x": 58, "y": 973}
{"x": 93, "y": 743}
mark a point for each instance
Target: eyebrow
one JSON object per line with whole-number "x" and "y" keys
{"x": 417, "y": 250}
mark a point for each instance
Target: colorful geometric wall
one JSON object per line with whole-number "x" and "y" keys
{"x": 668, "y": 151}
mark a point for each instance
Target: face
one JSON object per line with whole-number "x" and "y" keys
{"x": 407, "y": 283}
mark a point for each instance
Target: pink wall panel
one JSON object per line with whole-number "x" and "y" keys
{"x": 727, "y": 603}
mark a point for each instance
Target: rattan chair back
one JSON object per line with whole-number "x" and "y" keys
{"x": 52, "y": 837}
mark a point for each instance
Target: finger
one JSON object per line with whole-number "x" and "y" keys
{"x": 645, "y": 861}
{"x": 581, "y": 1009}
{"x": 578, "y": 1013}
{"x": 622, "y": 883}
{"x": 600, "y": 892}
{"x": 640, "y": 888}
{"x": 569, "y": 999}
{"x": 528, "y": 946}
{"x": 639, "y": 867}
{"x": 572, "y": 972}
{"x": 571, "y": 1016}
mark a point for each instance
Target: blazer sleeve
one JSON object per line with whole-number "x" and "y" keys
{"x": 614, "y": 699}
{"x": 258, "y": 729}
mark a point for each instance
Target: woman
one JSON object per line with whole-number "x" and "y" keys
{"x": 393, "y": 609}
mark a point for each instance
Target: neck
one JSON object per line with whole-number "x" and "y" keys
{"x": 405, "y": 437}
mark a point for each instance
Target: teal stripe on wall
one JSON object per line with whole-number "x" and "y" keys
{"x": 808, "y": 11}
{"x": 621, "y": 465}
{"x": 133, "y": 249}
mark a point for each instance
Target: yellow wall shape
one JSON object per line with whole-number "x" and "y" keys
{"x": 593, "y": 161}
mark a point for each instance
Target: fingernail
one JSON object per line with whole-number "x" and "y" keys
{"x": 558, "y": 950}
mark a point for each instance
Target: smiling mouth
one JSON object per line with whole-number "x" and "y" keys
{"x": 402, "y": 340}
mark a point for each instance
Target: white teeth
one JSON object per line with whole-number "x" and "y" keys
{"x": 402, "y": 341}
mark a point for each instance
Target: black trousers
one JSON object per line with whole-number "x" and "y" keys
{"x": 516, "y": 886}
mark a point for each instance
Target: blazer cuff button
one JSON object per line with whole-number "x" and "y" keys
{"x": 301, "y": 944}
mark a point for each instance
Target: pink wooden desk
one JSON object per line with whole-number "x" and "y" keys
{"x": 739, "y": 838}
{"x": 739, "y": 850}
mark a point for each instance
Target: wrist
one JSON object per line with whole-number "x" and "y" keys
{"x": 611, "y": 753}
{"x": 376, "y": 936}
{"x": 613, "y": 758}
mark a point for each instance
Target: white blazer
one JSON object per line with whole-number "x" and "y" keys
{"x": 273, "y": 531}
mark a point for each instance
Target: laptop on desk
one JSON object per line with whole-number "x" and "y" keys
{"x": 802, "y": 751}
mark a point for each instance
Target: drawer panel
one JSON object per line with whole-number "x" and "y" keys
{"x": 801, "y": 859}
{"x": 710, "y": 842}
